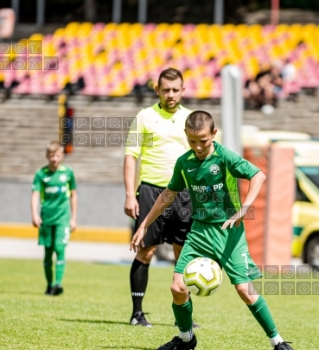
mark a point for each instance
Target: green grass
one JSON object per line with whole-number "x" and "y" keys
{"x": 94, "y": 312}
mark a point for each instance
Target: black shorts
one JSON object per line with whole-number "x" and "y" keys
{"x": 173, "y": 225}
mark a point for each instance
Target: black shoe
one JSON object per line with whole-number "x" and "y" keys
{"x": 56, "y": 290}
{"x": 178, "y": 344}
{"x": 283, "y": 346}
{"x": 138, "y": 319}
{"x": 48, "y": 290}
{"x": 194, "y": 325}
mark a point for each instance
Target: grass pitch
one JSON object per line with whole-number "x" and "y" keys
{"x": 94, "y": 311}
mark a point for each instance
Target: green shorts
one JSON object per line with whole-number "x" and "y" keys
{"x": 54, "y": 235}
{"x": 228, "y": 247}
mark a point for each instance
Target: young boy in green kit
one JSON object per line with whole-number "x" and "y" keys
{"x": 210, "y": 172}
{"x": 54, "y": 185}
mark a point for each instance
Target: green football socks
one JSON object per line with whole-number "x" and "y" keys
{"x": 47, "y": 263}
{"x": 60, "y": 266}
{"x": 262, "y": 314}
{"x": 183, "y": 315}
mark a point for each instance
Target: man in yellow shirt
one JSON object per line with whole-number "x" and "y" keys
{"x": 156, "y": 137}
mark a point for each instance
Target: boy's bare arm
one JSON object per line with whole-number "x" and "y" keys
{"x": 74, "y": 209}
{"x": 35, "y": 199}
{"x": 254, "y": 187}
{"x": 164, "y": 200}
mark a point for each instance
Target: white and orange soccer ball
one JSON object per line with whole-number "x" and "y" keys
{"x": 203, "y": 276}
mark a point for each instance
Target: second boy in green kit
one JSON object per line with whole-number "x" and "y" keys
{"x": 55, "y": 188}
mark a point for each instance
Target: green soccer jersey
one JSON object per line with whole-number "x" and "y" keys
{"x": 212, "y": 182}
{"x": 54, "y": 188}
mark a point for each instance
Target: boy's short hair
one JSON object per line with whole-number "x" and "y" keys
{"x": 53, "y": 147}
{"x": 198, "y": 120}
{"x": 170, "y": 74}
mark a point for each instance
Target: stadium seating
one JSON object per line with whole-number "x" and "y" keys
{"x": 110, "y": 59}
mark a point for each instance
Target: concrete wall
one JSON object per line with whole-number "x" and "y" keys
{"x": 98, "y": 205}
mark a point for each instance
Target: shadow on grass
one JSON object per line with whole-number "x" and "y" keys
{"x": 107, "y": 322}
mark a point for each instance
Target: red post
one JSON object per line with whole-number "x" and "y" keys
{"x": 274, "y": 12}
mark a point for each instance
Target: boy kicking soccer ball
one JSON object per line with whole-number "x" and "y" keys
{"x": 55, "y": 185}
{"x": 210, "y": 173}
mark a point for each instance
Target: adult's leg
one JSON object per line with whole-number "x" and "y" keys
{"x": 179, "y": 223}
{"x": 140, "y": 266}
{"x": 177, "y": 250}
{"x": 139, "y": 276}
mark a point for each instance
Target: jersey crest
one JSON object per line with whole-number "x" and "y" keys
{"x": 214, "y": 169}
{"x": 63, "y": 178}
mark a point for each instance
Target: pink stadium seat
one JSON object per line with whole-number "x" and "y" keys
{"x": 267, "y": 29}
{"x": 217, "y": 88}
{"x": 98, "y": 27}
{"x": 9, "y": 77}
{"x": 23, "y": 88}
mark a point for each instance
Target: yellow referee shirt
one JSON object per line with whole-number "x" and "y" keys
{"x": 158, "y": 137}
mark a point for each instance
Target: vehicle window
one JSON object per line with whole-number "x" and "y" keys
{"x": 300, "y": 196}
{"x": 312, "y": 173}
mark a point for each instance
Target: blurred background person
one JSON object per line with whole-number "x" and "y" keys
{"x": 54, "y": 185}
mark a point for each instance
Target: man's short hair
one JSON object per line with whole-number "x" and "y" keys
{"x": 170, "y": 74}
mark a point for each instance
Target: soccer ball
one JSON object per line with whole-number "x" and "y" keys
{"x": 202, "y": 276}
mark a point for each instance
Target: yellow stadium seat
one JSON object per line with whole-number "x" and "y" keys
{"x": 176, "y": 28}
{"x": 110, "y": 26}
{"x": 282, "y": 28}
{"x": 162, "y": 27}
{"x": 58, "y": 32}
{"x": 84, "y": 29}
{"x": 135, "y": 31}
{"x": 71, "y": 28}
{"x": 36, "y": 36}
{"x": 241, "y": 28}
{"x": 49, "y": 50}
{"x": 123, "y": 29}
{"x": 228, "y": 27}
{"x": 201, "y": 28}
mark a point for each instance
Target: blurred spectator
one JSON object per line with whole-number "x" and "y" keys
{"x": 142, "y": 90}
{"x": 262, "y": 92}
{"x": 289, "y": 71}
{"x": 252, "y": 94}
{"x": 73, "y": 88}
{"x": 276, "y": 78}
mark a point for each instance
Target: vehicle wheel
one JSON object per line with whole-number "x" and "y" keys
{"x": 312, "y": 252}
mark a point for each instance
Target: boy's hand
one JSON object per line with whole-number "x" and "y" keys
{"x": 72, "y": 225}
{"x": 137, "y": 239}
{"x": 235, "y": 219}
{"x": 36, "y": 221}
